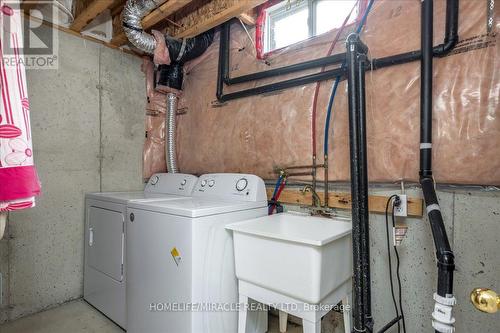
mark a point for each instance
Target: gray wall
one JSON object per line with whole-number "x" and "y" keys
{"x": 472, "y": 218}
{"x": 88, "y": 128}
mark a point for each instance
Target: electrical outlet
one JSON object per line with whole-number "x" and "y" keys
{"x": 402, "y": 208}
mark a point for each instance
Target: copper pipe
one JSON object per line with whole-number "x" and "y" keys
{"x": 295, "y": 174}
{"x": 303, "y": 167}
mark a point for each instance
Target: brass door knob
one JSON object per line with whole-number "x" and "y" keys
{"x": 485, "y": 300}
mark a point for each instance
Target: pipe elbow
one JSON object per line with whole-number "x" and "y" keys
{"x": 446, "y": 47}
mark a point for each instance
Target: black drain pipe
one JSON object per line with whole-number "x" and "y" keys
{"x": 223, "y": 77}
{"x": 442, "y": 316}
{"x": 356, "y": 67}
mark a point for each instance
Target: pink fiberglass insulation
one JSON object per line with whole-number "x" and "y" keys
{"x": 256, "y": 134}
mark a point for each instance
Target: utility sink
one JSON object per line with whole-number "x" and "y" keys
{"x": 303, "y": 257}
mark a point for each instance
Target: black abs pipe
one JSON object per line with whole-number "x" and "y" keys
{"x": 356, "y": 58}
{"x": 450, "y": 40}
{"x": 444, "y": 254}
{"x": 363, "y": 63}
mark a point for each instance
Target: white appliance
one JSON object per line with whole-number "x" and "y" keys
{"x": 105, "y": 212}
{"x": 180, "y": 261}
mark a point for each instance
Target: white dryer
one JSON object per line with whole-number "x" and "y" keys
{"x": 180, "y": 261}
{"x": 105, "y": 212}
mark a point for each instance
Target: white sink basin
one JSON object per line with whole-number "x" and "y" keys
{"x": 303, "y": 257}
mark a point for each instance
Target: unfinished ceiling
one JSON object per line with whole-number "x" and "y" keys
{"x": 179, "y": 18}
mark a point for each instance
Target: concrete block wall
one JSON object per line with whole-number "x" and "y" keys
{"x": 472, "y": 219}
{"x": 88, "y": 131}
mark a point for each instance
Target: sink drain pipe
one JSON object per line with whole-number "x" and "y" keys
{"x": 357, "y": 63}
{"x": 442, "y": 317}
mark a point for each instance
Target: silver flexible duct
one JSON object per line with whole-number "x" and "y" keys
{"x": 170, "y": 133}
{"x": 133, "y": 12}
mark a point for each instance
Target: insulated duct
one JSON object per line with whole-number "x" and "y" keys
{"x": 170, "y": 152}
{"x": 180, "y": 51}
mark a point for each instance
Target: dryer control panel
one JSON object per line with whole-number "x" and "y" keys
{"x": 231, "y": 186}
{"x": 171, "y": 183}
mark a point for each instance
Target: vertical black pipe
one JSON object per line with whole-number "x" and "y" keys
{"x": 426, "y": 31}
{"x": 359, "y": 182}
{"x": 363, "y": 192}
{"x": 357, "y": 285}
{"x": 444, "y": 254}
{"x": 223, "y": 68}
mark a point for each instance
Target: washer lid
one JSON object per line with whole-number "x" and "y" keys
{"x": 196, "y": 207}
{"x": 125, "y": 197}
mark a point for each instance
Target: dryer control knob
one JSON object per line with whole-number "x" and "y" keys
{"x": 184, "y": 181}
{"x": 203, "y": 183}
{"x": 211, "y": 183}
{"x": 241, "y": 184}
{"x": 154, "y": 180}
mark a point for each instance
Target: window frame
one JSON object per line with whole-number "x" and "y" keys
{"x": 278, "y": 12}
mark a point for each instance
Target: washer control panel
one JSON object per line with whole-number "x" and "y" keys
{"x": 231, "y": 186}
{"x": 171, "y": 183}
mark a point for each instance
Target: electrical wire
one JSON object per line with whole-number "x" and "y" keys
{"x": 397, "y": 272}
{"x": 394, "y": 196}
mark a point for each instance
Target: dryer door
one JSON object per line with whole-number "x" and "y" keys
{"x": 105, "y": 242}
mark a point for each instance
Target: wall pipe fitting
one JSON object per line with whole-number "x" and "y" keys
{"x": 170, "y": 151}
{"x": 356, "y": 67}
{"x": 450, "y": 40}
{"x": 442, "y": 316}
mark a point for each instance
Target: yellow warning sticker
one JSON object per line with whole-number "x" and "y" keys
{"x": 176, "y": 255}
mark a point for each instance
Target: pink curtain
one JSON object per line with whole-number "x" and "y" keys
{"x": 19, "y": 182}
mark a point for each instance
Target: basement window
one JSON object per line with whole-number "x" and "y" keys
{"x": 292, "y": 21}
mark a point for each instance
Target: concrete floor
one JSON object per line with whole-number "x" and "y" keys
{"x": 79, "y": 317}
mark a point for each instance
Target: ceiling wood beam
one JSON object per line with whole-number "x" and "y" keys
{"x": 195, "y": 23}
{"x": 95, "y": 8}
{"x": 165, "y": 10}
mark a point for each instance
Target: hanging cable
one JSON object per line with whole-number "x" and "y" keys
{"x": 399, "y": 318}
{"x": 394, "y": 196}
{"x": 397, "y": 273}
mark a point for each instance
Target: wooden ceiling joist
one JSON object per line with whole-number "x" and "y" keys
{"x": 95, "y": 8}
{"x": 216, "y": 13}
{"x": 165, "y": 10}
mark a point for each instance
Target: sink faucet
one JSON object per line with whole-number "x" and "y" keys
{"x": 316, "y": 198}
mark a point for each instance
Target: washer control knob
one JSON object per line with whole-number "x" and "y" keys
{"x": 184, "y": 181}
{"x": 241, "y": 184}
{"x": 211, "y": 183}
{"x": 154, "y": 180}
{"x": 203, "y": 183}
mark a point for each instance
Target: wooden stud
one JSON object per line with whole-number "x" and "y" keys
{"x": 214, "y": 17}
{"x": 95, "y": 8}
{"x": 376, "y": 203}
{"x": 157, "y": 15}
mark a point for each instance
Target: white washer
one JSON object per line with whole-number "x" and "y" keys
{"x": 104, "y": 271}
{"x": 180, "y": 258}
